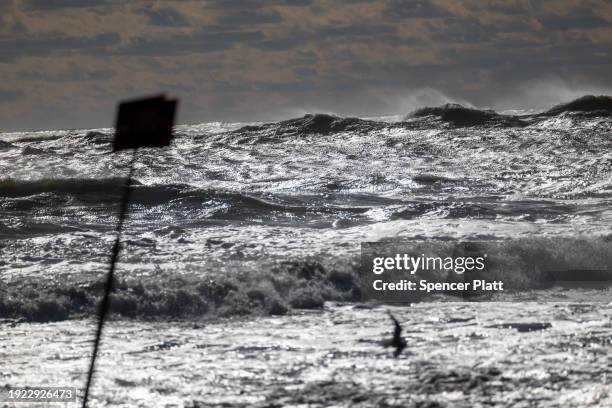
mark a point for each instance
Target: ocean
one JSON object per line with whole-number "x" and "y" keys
{"x": 238, "y": 279}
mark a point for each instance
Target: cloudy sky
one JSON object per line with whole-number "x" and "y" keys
{"x": 65, "y": 63}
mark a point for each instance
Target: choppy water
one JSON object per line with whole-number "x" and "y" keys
{"x": 457, "y": 356}
{"x": 230, "y": 209}
{"x": 256, "y": 219}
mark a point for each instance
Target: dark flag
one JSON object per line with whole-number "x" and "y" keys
{"x": 140, "y": 123}
{"x": 144, "y": 123}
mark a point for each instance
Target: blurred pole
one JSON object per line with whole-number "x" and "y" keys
{"x": 110, "y": 277}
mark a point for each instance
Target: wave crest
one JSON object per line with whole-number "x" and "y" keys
{"x": 276, "y": 287}
{"x": 451, "y": 114}
{"x": 319, "y": 123}
{"x": 305, "y": 284}
{"x": 461, "y": 116}
{"x": 588, "y": 104}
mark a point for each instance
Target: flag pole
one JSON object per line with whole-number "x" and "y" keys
{"x": 104, "y": 306}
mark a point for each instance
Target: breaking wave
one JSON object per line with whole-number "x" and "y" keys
{"x": 524, "y": 264}
{"x": 319, "y": 123}
{"x": 588, "y": 104}
{"x": 5, "y": 145}
{"x": 461, "y": 116}
{"x": 451, "y": 114}
{"x": 301, "y": 285}
{"x": 362, "y": 178}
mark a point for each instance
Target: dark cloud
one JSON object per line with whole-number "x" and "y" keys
{"x": 49, "y": 5}
{"x": 165, "y": 17}
{"x": 305, "y": 85}
{"x": 274, "y": 56}
{"x": 402, "y": 9}
{"x": 305, "y": 57}
{"x": 573, "y": 22}
{"x": 501, "y": 7}
{"x": 231, "y": 87}
{"x": 297, "y": 38}
{"x": 203, "y": 41}
{"x": 5, "y": 6}
{"x": 363, "y": 33}
{"x": 21, "y": 47}
{"x": 471, "y": 30}
{"x": 73, "y": 73}
{"x": 355, "y": 31}
{"x": 7, "y": 95}
{"x": 305, "y": 71}
{"x": 17, "y": 27}
{"x": 251, "y": 4}
{"x": 503, "y": 62}
{"x": 293, "y": 39}
{"x": 250, "y": 17}
{"x": 461, "y": 31}
{"x": 397, "y": 72}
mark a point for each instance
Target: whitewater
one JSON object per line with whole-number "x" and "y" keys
{"x": 238, "y": 279}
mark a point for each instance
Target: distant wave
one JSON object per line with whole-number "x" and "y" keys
{"x": 5, "y": 145}
{"x": 461, "y": 116}
{"x": 589, "y": 104}
{"x": 45, "y": 194}
{"x": 95, "y": 137}
{"x": 30, "y": 151}
{"x": 230, "y": 204}
{"x": 319, "y": 123}
{"x": 453, "y": 115}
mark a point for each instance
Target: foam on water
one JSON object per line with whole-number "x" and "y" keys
{"x": 238, "y": 278}
{"x": 458, "y": 354}
{"x": 234, "y": 200}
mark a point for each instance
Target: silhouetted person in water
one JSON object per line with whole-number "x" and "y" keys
{"x": 397, "y": 341}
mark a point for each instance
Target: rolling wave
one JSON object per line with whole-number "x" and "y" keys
{"x": 453, "y": 115}
{"x": 307, "y": 186}
{"x": 20, "y": 188}
{"x": 5, "y": 145}
{"x": 524, "y": 264}
{"x": 88, "y": 194}
{"x": 460, "y": 116}
{"x": 588, "y": 104}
